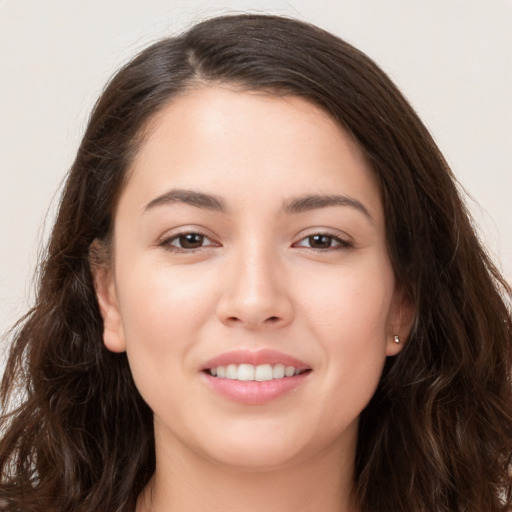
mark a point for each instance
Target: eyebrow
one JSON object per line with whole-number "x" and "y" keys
{"x": 190, "y": 197}
{"x": 316, "y": 201}
{"x": 298, "y": 205}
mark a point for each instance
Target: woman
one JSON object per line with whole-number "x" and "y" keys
{"x": 262, "y": 292}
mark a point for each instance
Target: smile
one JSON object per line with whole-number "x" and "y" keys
{"x": 255, "y": 377}
{"x": 249, "y": 372}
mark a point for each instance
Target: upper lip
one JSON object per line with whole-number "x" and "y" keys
{"x": 256, "y": 358}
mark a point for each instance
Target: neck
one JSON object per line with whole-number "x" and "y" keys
{"x": 187, "y": 482}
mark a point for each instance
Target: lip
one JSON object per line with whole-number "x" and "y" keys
{"x": 265, "y": 356}
{"x": 254, "y": 392}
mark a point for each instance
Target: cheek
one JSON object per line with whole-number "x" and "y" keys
{"x": 163, "y": 313}
{"x": 162, "y": 301}
{"x": 350, "y": 303}
{"x": 348, "y": 316}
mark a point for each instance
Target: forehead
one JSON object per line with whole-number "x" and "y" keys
{"x": 245, "y": 143}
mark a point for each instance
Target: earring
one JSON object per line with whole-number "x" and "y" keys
{"x": 396, "y": 337}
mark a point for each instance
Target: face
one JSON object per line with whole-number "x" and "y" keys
{"x": 250, "y": 284}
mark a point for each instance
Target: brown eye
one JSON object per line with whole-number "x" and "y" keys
{"x": 324, "y": 241}
{"x": 320, "y": 241}
{"x": 189, "y": 241}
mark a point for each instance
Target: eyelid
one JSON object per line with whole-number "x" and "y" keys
{"x": 344, "y": 240}
{"x": 165, "y": 240}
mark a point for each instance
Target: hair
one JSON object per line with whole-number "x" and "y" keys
{"x": 436, "y": 436}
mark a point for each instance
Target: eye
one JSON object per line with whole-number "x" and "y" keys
{"x": 186, "y": 242}
{"x": 323, "y": 241}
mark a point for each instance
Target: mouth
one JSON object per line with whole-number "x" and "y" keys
{"x": 255, "y": 378}
{"x": 249, "y": 372}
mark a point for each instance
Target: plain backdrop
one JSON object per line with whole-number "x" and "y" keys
{"x": 451, "y": 58}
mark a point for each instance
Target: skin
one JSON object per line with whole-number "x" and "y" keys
{"x": 257, "y": 280}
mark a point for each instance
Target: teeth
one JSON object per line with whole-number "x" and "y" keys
{"x": 278, "y": 371}
{"x": 231, "y": 371}
{"x": 247, "y": 372}
{"x": 263, "y": 372}
{"x": 289, "y": 371}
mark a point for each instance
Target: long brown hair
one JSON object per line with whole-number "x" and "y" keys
{"x": 437, "y": 435}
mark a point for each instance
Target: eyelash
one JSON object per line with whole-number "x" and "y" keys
{"x": 342, "y": 243}
{"x": 167, "y": 243}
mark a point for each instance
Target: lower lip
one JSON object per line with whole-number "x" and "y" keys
{"x": 254, "y": 392}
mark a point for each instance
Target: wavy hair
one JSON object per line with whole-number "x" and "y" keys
{"x": 437, "y": 435}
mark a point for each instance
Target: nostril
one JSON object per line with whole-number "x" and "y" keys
{"x": 273, "y": 319}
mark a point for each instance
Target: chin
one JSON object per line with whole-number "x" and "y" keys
{"x": 260, "y": 449}
{"x": 257, "y": 459}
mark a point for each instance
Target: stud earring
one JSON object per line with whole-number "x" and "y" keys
{"x": 396, "y": 337}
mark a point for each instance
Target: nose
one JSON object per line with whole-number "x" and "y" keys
{"x": 254, "y": 292}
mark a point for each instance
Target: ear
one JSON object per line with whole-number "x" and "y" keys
{"x": 106, "y": 294}
{"x": 400, "y": 321}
